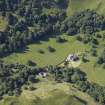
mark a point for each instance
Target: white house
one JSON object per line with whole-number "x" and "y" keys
{"x": 72, "y": 57}
{"x": 43, "y": 74}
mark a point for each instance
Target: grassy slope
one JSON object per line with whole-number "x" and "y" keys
{"x": 94, "y": 74}
{"x": 80, "y": 5}
{"x": 62, "y": 50}
{"x": 58, "y": 98}
{"x": 49, "y": 93}
{"x": 3, "y": 23}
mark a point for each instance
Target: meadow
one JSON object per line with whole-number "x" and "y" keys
{"x": 50, "y": 93}
{"x": 94, "y": 74}
{"x": 3, "y": 23}
{"x": 80, "y": 5}
{"x": 48, "y": 58}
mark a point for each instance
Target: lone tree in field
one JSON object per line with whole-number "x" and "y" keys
{"x": 31, "y": 63}
{"x": 101, "y": 58}
{"x": 41, "y": 51}
{"x": 84, "y": 58}
{"x": 51, "y": 49}
{"x": 60, "y": 40}
{"x": 94, "y": 52}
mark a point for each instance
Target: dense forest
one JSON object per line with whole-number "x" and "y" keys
{"x": 87, "y": 22}
{"x": 29, "y": 21}
{"x": 14, "y": 76}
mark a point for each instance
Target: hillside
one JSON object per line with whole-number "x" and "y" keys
{"x": 52, "y": 52}
{"x": 80, "y": 5}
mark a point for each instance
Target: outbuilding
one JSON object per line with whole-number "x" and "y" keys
{"x": 72, "y": 57}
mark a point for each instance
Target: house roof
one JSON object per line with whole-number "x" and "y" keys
{"x": 71, "y": 57}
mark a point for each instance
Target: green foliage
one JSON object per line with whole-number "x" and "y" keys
{"x": 60, "y": 39}
{"x": 28, "y": 22}
{"x": 76, "y": 76}
{"x": 51, "y": 49}
{"x": 94, "y": 52}
{"x": 31, "y": 63}
{"x": 41, "y": 51}
{"x": 13, "y": 77}
{"x": 101, "y": 58}
{"x": 87, "y": 22}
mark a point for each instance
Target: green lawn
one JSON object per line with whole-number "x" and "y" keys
{"x": 94, "y": 74}
{"x": 3, "y": 23}
{"x": 50, "y": 93}
{"x": 80, "y": 5}
{"x": 58, "y": 98}
{"x": 48, "y": 58}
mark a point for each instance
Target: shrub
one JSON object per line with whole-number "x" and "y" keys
{"x": 32, "y": 88}
{"x": 31, "y": 78}
{"x": 60, "y": 40}
{"x": 10, "y": 93}
{"x": 79, "y": 38}
{"x": 41, "y": 51}
{"x": 25, "y": 87}
{"x": 51, "y": 49}
{"x": 103, "y": 65}
{"x": 94, "y": 52}
{"x": 31, "y": 63}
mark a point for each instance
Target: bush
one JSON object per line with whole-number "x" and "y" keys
{"x": 100, "y": 60}
{"x": 10, "y": 93}
{"x": 17, "y": 92}
{"x": 41, "y": 51}
{"x": 79, "y": 38}
{"x": 84, "y": 58}
{"x": 103, "y": 65}
{"x": 60, "y": 40}
{"x": 51, "y": 49}
{"x": 31, "y": 78}
{"x": 1, "y": 97}
{"x": 31, "y": 63}
{"x": 25, "y": 87}
{"x": 94, "y": 52}
{"x": 98, "y": 36}
{"x": 32, "y": 88}
{"x": 95, "y": 41}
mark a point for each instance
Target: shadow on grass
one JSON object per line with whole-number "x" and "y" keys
{"x": 81, "y": 100}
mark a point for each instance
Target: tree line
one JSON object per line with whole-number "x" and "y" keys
{"x": 87, "y": 22}
{"x": 79, "y": 79}
{"x": 29, "y": 21}
{"x": 14, "y": 76}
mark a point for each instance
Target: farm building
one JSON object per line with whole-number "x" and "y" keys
{"x": 43, "y": 74}
{"x": 72, "y": 57}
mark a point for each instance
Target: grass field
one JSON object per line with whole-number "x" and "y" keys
{"x": 3, "y": 23}
{"x": 58, "y": 98}
{"x": 94, "y": 74}
{"x": 62, "y": 50}
{"x": 50, "y": 93}
{"x": 48, "y": 58}
{"x": 80, "y": 5}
